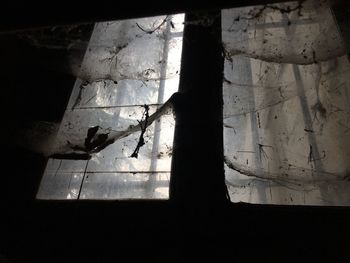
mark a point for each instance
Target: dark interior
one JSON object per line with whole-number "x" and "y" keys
{"x": 197, "y": 223}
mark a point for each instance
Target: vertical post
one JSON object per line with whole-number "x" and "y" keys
{"x": 197, "y": 164}
{"x": 161, "y": 91}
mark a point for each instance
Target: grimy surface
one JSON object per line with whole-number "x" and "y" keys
{"x": 34, "y": 231}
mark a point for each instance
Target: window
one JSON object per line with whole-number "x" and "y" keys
{"x": 284, "y": 120}
{"x": 286, "y": 105}
{"x": 130, "y": 69}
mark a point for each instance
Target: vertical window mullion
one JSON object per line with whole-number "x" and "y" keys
{"x": 197, "y": 164}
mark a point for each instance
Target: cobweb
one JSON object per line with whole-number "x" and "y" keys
{"x": 115, "y": 139}
{"x": 286, "y": 105}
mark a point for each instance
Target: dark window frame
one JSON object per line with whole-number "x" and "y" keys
{"x": 197, "y": 172}
{"x": 91, "y": 230}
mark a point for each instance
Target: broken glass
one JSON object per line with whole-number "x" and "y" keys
{"x": 286, "y": 105}
{"x": 115, "y": 139}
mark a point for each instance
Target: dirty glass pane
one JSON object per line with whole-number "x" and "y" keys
{"x": 115, "y": 139}
{"x": 286, "y": 105}
{"x": 124, "y": 185}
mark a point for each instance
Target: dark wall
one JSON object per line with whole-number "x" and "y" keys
{"x": 36, "y": 83}
{"x": 16, "y": 15}
{"x": 86, "y": 231}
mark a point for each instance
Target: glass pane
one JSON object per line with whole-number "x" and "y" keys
{"x": 129, "y": 71}
{"x": 124, "y": 185}
{"x": 286, "y": 105}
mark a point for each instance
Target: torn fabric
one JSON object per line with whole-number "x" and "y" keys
{"x": 115, "y": 139}
{"x": 286, "y": 105}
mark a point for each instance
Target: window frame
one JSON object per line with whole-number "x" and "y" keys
{"x": 197, "y": 171}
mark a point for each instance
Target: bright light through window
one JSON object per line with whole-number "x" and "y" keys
{"x": 286, "y": 105}
{"x": 130, "y": 69}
